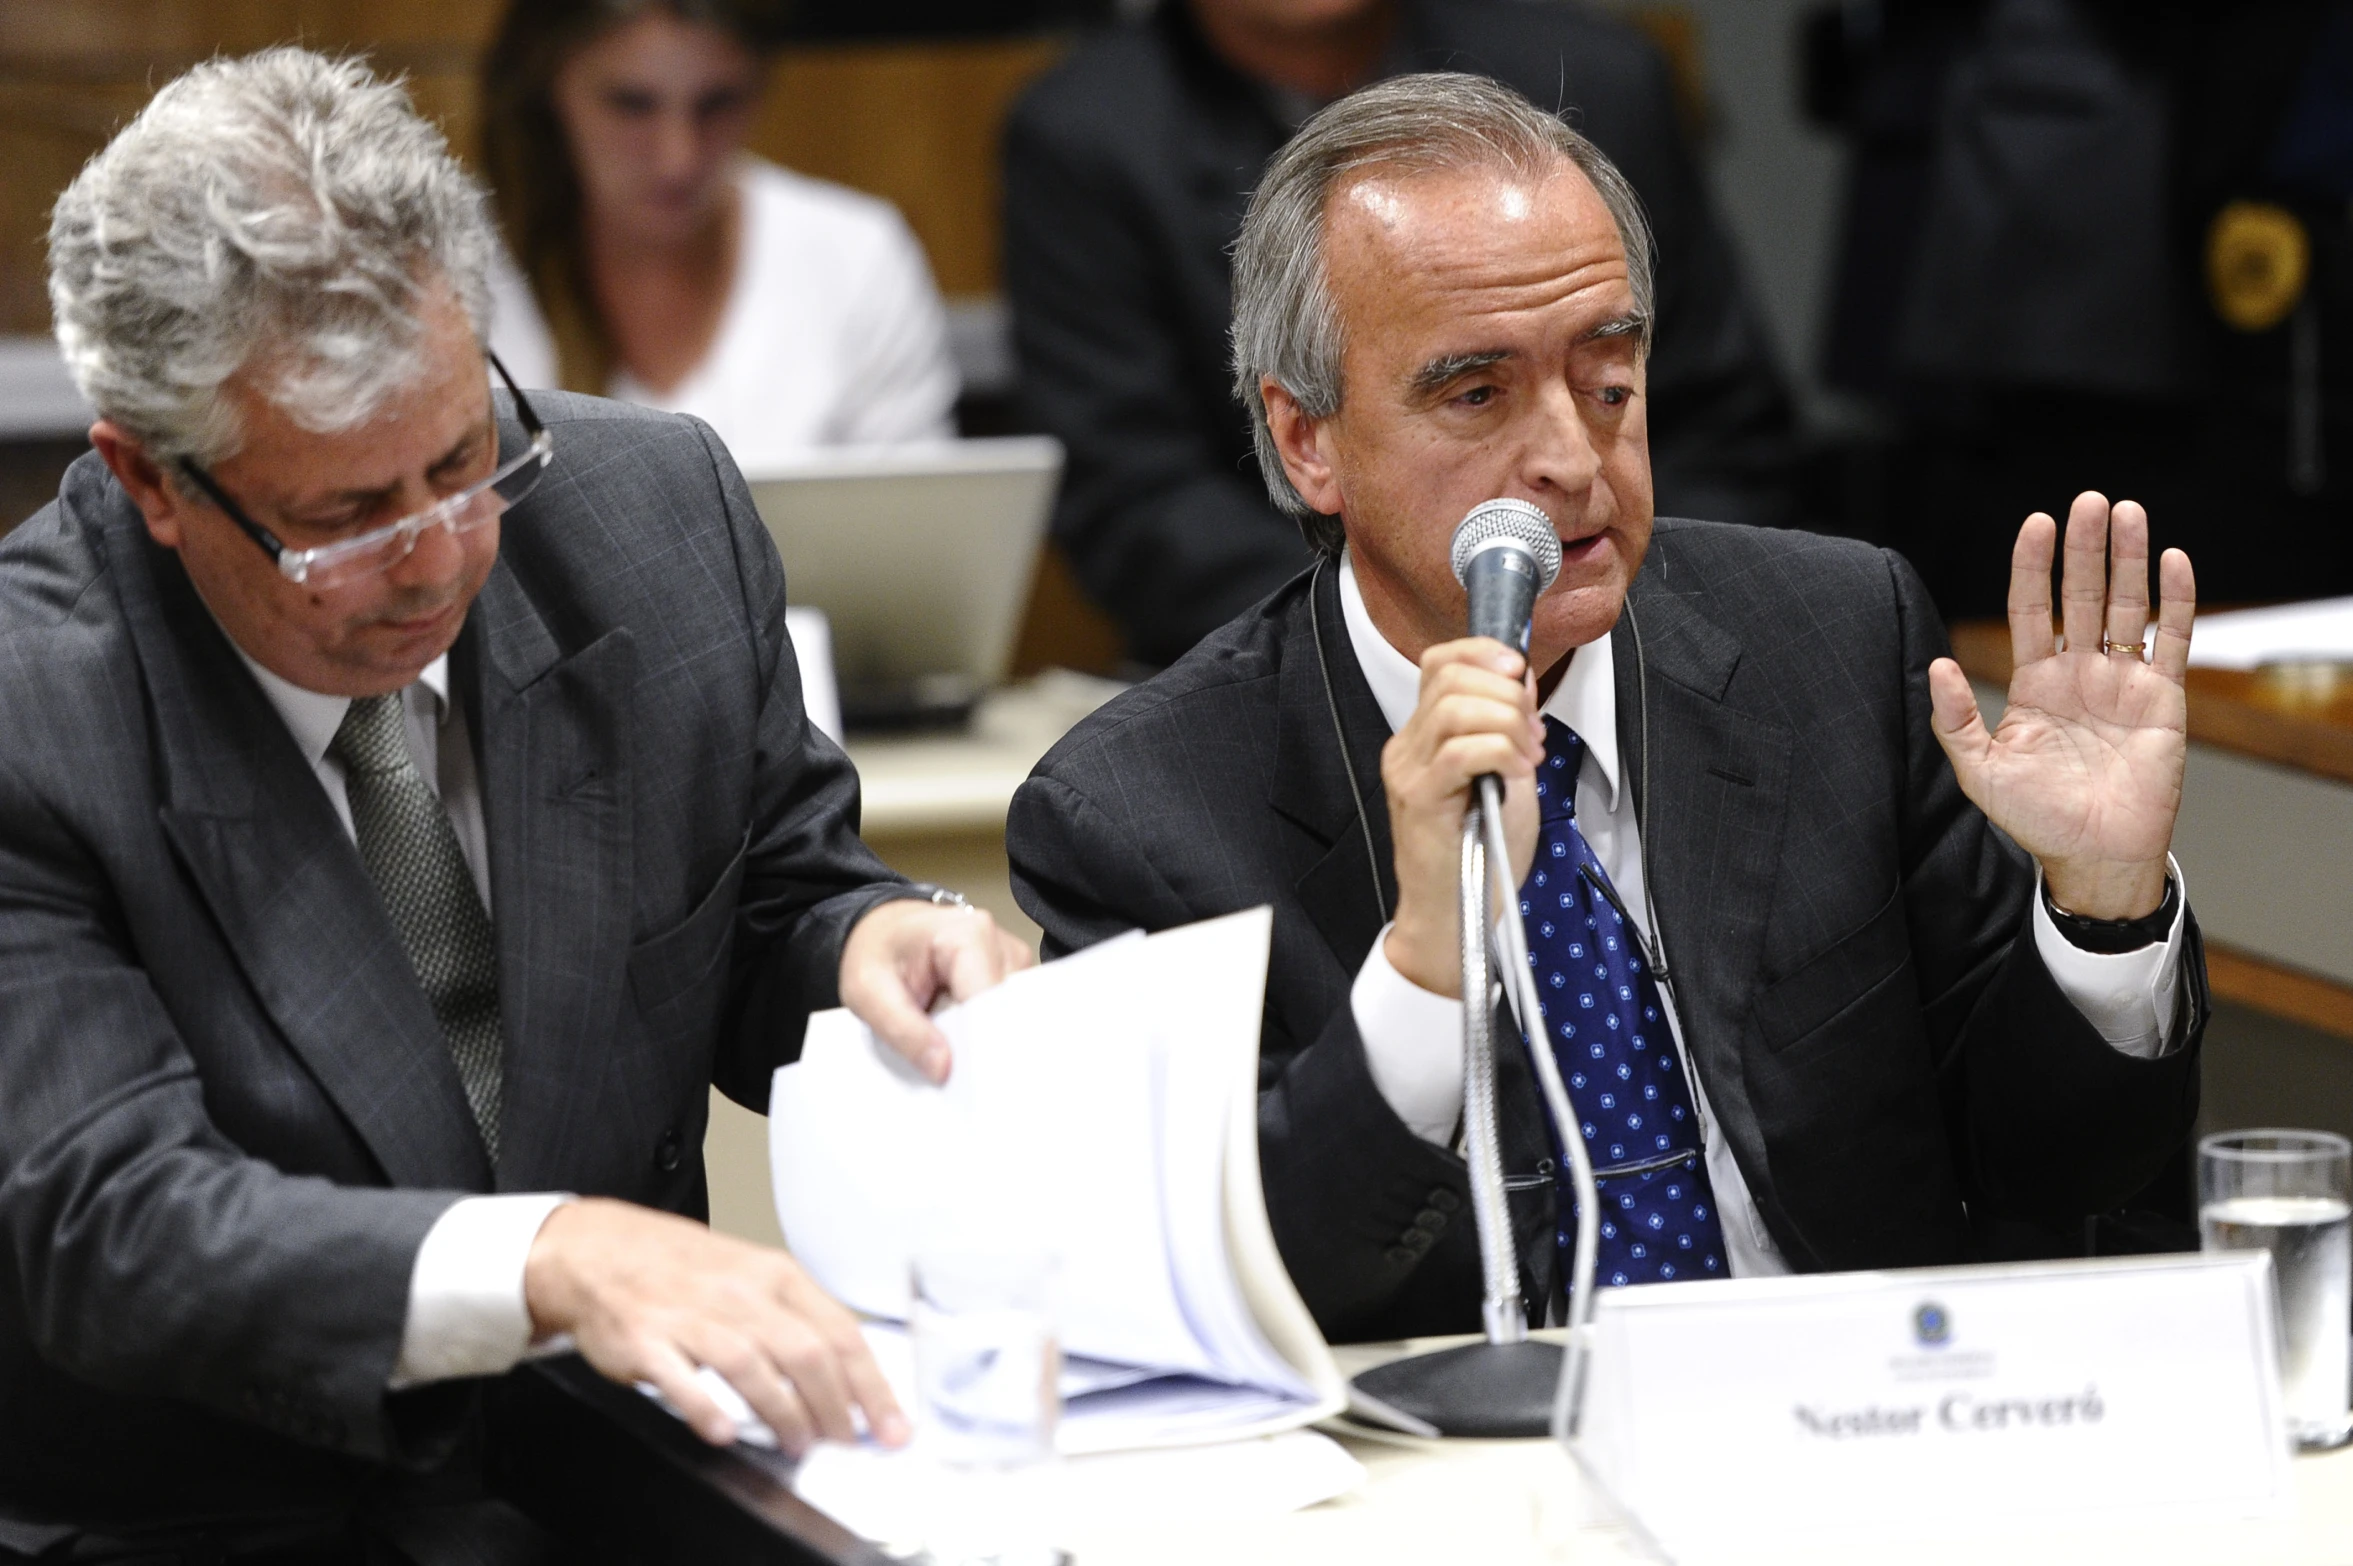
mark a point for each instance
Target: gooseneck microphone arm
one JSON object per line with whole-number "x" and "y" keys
{"x": 1527, "y": 1009}
{"x": 1501, "y": 1312}
{"x": 1505, "y": 553}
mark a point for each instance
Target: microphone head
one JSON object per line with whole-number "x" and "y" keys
{"x": 1507, "y": 524}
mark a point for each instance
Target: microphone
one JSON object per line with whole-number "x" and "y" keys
{"x": 1505, "y": 555}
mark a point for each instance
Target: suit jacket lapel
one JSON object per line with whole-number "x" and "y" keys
{"x": 284, "y": 881}
{"x": 551, "y": 734}
{"x": 1712, "y": 799}
{"x": 1311, "y": 776}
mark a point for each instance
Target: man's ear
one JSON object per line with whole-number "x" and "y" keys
{"x": 1305, "y": 444}
{"x": 143, "y": 479}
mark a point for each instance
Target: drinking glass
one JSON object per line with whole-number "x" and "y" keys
{"x": 988, "y": 1395}
{"x": 2291, "y": 1193}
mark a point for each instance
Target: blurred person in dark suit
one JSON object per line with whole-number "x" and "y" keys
{"x": 2101, "y": 241}
{"x": 1127, "y": 170}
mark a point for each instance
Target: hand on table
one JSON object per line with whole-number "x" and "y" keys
{"x": 904, "y": 955}
{"x": 1476, "y": 715}
{"x": 2084, "y": 769}
{"x": 648, "y": 1296}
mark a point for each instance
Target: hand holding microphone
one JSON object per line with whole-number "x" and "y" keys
{"x": 1476, "y": 718}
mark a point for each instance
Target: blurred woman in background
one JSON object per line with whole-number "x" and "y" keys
{"x": 657, "y": 261}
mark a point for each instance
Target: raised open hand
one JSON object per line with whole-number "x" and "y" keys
{"x": 2084, "y": 768}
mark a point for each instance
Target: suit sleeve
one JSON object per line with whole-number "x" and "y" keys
{"x": 808, "y": 878}
{"x": 1358, "y": 1203}
{"x": 1162, "y": 527}
{"x": 2046, "y": 1117}
{"x": 145, "y": 1252}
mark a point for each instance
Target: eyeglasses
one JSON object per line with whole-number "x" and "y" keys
{"x": 349, "y": 560}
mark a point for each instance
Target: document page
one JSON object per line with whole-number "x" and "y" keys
{"x": 1086, "y": 1116}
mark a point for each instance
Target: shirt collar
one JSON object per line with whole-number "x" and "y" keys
{"x": 1586, "y": 699}
{"x": 313, "y": 718}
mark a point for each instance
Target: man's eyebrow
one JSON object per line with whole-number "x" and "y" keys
{"x": 1441, "y": 372}
{"x": 369, "y": 497}
{"x": 1632, "y": 324}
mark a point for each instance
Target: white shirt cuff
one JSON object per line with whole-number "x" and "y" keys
{"x": 1412, "y": 1045}
{"x": 2127, "y": 997}
{"x": 467, "y": 1315}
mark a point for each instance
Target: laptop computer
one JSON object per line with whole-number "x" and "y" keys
{"x": 920, "y": 557}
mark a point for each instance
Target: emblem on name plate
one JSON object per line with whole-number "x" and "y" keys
{"x": 1931, "y": 1326}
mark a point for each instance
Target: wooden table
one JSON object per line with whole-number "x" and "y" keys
{"x": 2265, "y": 837}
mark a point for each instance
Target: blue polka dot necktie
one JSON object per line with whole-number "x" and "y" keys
{"x": 1609, "y": 1032}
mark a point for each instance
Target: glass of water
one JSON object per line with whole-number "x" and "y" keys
{"x": 2291, "y": 1193}
{"x": 988, "y": 1369}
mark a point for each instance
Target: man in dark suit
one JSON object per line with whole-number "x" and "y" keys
{"x": 408, "y": 813}
{"x": 1748, "y": 765}
{"x": 1126, "y": 171}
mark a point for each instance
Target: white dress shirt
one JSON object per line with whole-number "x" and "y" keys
{"x": 833, "y": 333}
{"x": 1413, "y": 1038}
{"x": 467, "y": 1315}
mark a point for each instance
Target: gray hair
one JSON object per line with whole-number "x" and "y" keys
{"x": 1286, "y": 327}
{"x": 285, "y": 210}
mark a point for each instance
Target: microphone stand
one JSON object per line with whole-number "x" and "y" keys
{"x": 1506, "y": 1385}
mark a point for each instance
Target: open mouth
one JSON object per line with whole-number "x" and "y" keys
{"x": 1576, "y": 552}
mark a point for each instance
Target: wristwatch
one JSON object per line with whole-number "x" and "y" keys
{"x": 2109, "y": 937}
{"x": 931, "y": 892}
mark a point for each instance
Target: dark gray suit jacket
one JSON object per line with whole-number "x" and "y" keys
{"x": 1127, "y": 170}
{"x": 1887, "y": 1054}
{"x": 227, "y": 1117}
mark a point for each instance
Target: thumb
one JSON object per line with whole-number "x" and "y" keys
{"x": 885, "y": 1002}
{"x": 1958, "y": 725}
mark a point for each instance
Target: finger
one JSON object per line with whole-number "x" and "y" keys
{"x": 1454, "y": 716}
{"x": 2177, "y": 608}
{"x": 673, "y": 1375}
{"x": 1474, "y": 756}
{"x": 2083, "y": 588}
{"x": 1959, "y": 726}
{"x": 2128, "y": 573}
{"x": 1466, "y": 679}
{"x": 776, "y": 1352}
{"x": 871, "y": 1391}
{"x": 1013, "y": 954}
{"x": 1476, "y": 651}
{"x": 2030, "y": 590}
{"x": 778, "y": 1402}
{"x": 968, "y": 952}
{"x": 898, "y": 1017}
{"x": 801, "y": 1294}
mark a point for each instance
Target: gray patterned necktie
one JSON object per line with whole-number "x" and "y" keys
{"x": 412, "y": 855}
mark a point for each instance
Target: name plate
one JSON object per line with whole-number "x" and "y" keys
{"x": 1735, "y": 1418}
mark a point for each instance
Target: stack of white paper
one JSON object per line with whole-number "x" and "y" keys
{"x": 1103, "y": 1110}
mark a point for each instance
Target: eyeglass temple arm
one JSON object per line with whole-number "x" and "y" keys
{"x": 230, "y": 509}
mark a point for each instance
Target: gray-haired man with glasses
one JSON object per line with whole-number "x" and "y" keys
{"x": 407, "y": 813}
